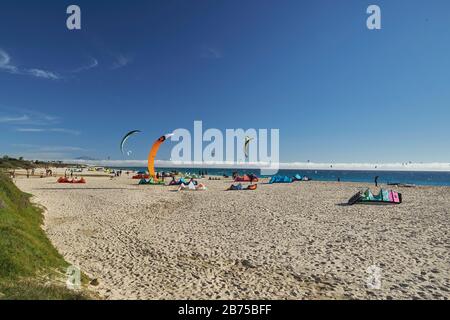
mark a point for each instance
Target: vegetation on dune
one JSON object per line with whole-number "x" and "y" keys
{"x": 7, "y": 162}
{"x": 30, "y": 267}
{"x": 12, "y": 163}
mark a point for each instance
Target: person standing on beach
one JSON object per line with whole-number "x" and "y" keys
{"x": 376, "y": 181}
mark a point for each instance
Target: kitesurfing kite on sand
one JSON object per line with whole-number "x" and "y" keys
{"x": 153, "y": 152}
{"x": 125, "y": 138}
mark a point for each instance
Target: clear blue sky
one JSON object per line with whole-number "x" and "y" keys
{"x": 336, "y": 91}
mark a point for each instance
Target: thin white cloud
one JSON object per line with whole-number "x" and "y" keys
{"x": 63, "y": 130}
{"x": 14, "y": 119}
{"x": 93, "y": 63}
{"x": 7, "y": 66}
{"x": 40, "y": 148}
{"x": 43, "y": 156}
{"x": 121, "y": 61}
{"x": 50, "y": 118}
{"x": 5, "y": 62}
{"x": 38, "y": 73}
{"x": 30, "y": 130}
{"x": 57, "y": 130}
{"x": 19, "y": 116}
{"x": 46, "y": 152}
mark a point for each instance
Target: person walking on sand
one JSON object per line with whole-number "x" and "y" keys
{"x": 376, "y": 181}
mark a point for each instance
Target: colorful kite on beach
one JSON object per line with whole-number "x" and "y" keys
{"x": 153, "y": 152}
{"x": 247, "y": 145}
{"x": 125, "y": 138}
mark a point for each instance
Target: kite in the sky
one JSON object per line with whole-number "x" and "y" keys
{"x": 247, "y": 145}
{"x": 153, "y": 152}
{"x": 125, "y": 138}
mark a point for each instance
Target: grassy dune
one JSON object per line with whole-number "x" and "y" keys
{"x": 30, "y": 267}
{"x": 8, "y": 163}
{"x": 11, "y": 163}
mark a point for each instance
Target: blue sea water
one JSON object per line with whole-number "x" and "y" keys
{"x": 405, "y": 177}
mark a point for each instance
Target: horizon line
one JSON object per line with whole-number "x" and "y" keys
{"x": 410, "y": 166}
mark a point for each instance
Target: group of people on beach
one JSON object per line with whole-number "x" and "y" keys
{"x": 48, "y": 173}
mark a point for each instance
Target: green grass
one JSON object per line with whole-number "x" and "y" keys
{"x": 30, "y": 267}
{"x": 7, "y": 163}
{"x": 11, "y": 163}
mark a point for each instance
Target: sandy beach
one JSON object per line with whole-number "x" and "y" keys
{"x": 286, "y": 241}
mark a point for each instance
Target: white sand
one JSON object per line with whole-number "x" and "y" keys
{"x": 292, "y": 241}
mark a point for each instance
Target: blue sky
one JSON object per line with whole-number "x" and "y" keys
{"x": 336, "y": 90}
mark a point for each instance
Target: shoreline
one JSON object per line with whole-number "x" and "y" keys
{"x": 294, "y": 241}
{"x": 391, "y": 178}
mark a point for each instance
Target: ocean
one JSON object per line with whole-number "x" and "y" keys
{"x": 385, "y": 177}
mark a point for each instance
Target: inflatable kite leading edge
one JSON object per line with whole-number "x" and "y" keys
{"x": 125, "y": 138}
{"x": 153, "y": 152}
